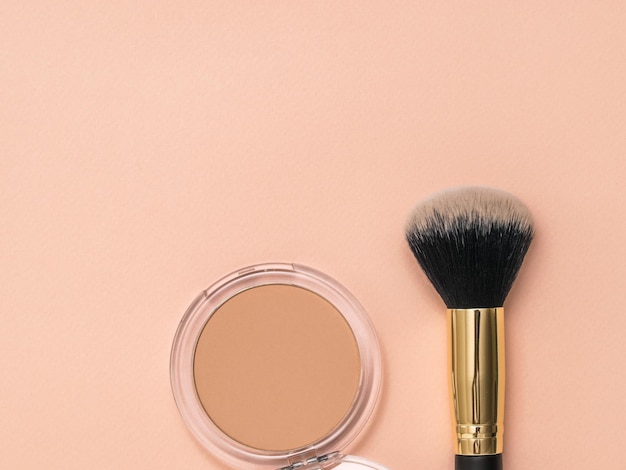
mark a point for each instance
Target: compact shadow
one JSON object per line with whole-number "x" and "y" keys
{"x": 277, "y": 366}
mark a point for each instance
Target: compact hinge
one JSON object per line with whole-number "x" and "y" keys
{"x": 312, "y": 463}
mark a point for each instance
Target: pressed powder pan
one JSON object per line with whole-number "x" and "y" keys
{"x": 277, "y": 366}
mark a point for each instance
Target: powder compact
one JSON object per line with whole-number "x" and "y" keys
{"x": 277, "y": 366}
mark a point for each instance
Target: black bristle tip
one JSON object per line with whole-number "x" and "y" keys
{"x": 471, "y": 253}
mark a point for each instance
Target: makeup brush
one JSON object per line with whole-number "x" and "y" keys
{"x": 471, "y": 242}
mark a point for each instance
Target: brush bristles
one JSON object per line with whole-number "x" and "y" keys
{"x": 471, "y": 242}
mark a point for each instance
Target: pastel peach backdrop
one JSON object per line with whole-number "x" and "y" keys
{"x": 149, "y": 147}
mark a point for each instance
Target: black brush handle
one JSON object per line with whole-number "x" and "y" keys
{"x": 478, "y": 462}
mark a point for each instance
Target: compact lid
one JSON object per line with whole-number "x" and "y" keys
{"x": 277, "y": 366}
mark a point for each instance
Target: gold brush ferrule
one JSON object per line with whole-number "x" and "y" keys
{"x": 476, "y": 358}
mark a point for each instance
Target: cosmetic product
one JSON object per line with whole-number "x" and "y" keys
{"x": 277, "y": 366}
{"x": 471, "y": 242}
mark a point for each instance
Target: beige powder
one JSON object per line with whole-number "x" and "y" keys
{"x": 276, "y": 367}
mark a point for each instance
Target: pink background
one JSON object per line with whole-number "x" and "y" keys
{"x": 148, "y": 148}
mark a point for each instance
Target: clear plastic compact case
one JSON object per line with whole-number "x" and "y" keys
{"x": 277, "y": 366}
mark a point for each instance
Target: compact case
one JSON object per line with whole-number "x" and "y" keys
{"x": 277, "y": 366}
